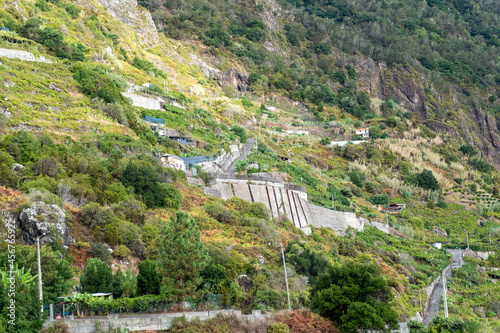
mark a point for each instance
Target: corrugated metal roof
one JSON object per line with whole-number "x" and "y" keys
{"x": 194, "y": 160}
{"x": 155, "y": 120}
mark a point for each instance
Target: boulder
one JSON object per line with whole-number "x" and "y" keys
{"x": 40, "y": 218}
{"x": 440, "y": 232}
{"x": 244, "y": 282}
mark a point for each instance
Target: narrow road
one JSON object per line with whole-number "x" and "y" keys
{"x": 437, "y": 294}
{"x": 246, "y": 149}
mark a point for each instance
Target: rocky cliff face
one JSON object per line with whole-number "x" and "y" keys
{"x": 232, "y": 78}
{"x": 439, "y": 110}
{"x": 128, "y": 12}
{"x": 40, "y": 218}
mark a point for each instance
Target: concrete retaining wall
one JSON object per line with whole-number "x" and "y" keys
{"x": 380, "y": 226}
{"x": 283, "y": 200}
{"x": 22, "y": 55}
{"x": 147, "y": 322}
{"x": 223, "y": 162}
{"x": 144, "y": 102}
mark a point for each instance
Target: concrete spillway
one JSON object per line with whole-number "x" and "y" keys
{"x": 283, "y": 200}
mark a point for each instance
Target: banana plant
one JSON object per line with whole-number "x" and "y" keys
{"x": 23, "y": 277}
{"x": 77, "y": 299}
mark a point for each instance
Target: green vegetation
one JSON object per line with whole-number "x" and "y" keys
{"x": 419, "y": 75}
{"x": 182, "y": 255}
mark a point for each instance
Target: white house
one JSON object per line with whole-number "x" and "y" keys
{"x": 172, "y": 161}
{"x": 271, "y": 108}
{"x": 364, "y": 132}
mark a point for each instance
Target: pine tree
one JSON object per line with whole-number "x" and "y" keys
{"x": 183, "y": 255}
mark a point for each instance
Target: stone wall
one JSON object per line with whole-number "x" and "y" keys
{"x": 22, "y": 55}
{"x": 223, "y": 162}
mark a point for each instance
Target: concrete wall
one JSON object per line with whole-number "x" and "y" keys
{"x": 223, "y": 162}
{"x": 380, "y": 226}
{"x": 144, "y": 102}
{"x": 22, "y": 55}
{"x": 282, "y": 199}
{"x": 148, "y": 322}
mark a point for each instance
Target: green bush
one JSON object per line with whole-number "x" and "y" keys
{"x": 278, "y": 328}
{"x": 220, "y": 213}
{"x": 122, "y": 252}
{"x": 427, "y": 181}
{"x": 379, "y": 199}
{"x": 356, "y": 178}
{"x": 95, "y": 83}
{"x": 144, "y": 179}
{"x": 241, "y": 132}
{"x": 149, "y": 278}
{"x": 97, "y": 276}
{"x": 247, "y": 103}
{"x": 73, "y": 10}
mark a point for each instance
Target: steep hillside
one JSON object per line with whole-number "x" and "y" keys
{"x": 93, "y": 94}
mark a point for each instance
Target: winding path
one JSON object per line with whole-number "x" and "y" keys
{"x": 244, "y": 152}
{"x": 437, "y": 292}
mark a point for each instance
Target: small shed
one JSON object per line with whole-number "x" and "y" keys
{"x": 172, "y": 161}
{"x": 393, "y": 208}
{"x": 175, "y": 135}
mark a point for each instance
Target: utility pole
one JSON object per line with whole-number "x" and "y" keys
{"x": 421, "y": 309}
{"x": 39, "y": 270}
{"x": 286, "y": 275}
{"x": 333, "y": 203}
{"x": 444, "y": 294}
{"x": 467, "y": 235}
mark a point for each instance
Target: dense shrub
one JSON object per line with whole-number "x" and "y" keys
{"x": 144, "y": 179}
{"x": 305, "y": 321}
{"x": 73, "y": 10}
{"x": 97, "y": 277}
{"x": 426, "y": 180}
{"x": 241, "y": 132}
{"x": 94, "y": 215}
{"x": 95, "y": 83}
{"x": 379, "y": 199}
{"x": 220, "y": 213}
{"x": 367, "y": 308}
{"x": 356, "y": 178}
{"x": 149, "y": 278}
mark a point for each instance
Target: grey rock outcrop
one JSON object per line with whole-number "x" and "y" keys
{"x": 232, "y": 78}
{"x": 40, "y": 218}
{"x": 128, "y": 12}
{"x": 440, "y": 232}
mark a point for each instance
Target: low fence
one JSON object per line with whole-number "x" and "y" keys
{"x": 129, "y": 306}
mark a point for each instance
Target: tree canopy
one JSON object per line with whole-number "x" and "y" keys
{"x": 182, "y": 254}
{"x": 355, "y": 296}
